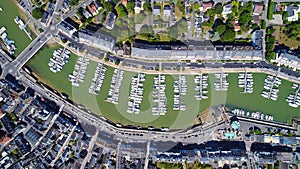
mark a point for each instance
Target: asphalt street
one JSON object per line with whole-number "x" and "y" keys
{"x": 129, "y": 135}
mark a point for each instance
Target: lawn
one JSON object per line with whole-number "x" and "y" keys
{"x": 283, "y": 39}
{"x": 233, "y": 98}
{"x": 7, "y": 16}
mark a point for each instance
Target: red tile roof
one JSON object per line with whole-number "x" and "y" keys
{"x": 92, "y": 8}
{"x": 4, "y": 140}
{"x": 124, "y": 2}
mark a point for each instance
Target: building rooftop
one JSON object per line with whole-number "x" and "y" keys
{"x": 96, "y": 38}
{"x": 258, "y": 8}
{"x": 110, "y": 20}
{"x": 156, "y": 10}
{"x": 66, "y": 28}
{"x": 167, "y": 51}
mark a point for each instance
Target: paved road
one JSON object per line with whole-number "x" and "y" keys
{"x": 38, "y": 43}
{"x": 127, "y": 134}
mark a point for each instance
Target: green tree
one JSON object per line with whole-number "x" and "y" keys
{"x": 196, "y": 6}
{"x": 255, "y": 27}
{"x": 177, "y": 29}
{"x": 211, "y": 12}
{"x": 64, "y": 40}
{"x": 218, "y": 8}
{"x": 245, "y": 18}
{"x": 145, "y": 29}
{"x": 116, "y": 1}
{"x": 147, "y": 7}
{"x": 263, "y": 24}
{"x": 104, "y": 15}
{"x": 234, "y": 9}
{"x": 73, "y": 2}
{"x": 270, "y": 30}
{"x": 284, "y": 16}
{"x": 270, "y": 10}
{"x": 108, "y": 6}
{"x": 181, "y": 6}
{"x": 228, "y": 36}
{"x": 292, "y": 30}
{"x": 139, "y": 18}
{"x": 80, "y": 12}
{"x": 41, "y": 30}
{"x": 221, "y": 29}
{"x": 121, "y": 10}
{"x": 130, "y": 7}
{"x": 270, "y": 55}
{"x": 37, "y": 13}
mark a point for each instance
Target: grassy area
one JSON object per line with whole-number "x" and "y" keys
{"x": 283, "y": 39}
{"x": 163, "y": 165}
{"x": 10, "y": 11}
{"x": 198, "y": 165}
{"x": 233, "y": 98}
{"x": 164, "y": 37}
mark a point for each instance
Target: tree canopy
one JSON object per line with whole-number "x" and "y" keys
{"x": 218, "y": 8}
{"x": 147, "y": 7}
{"x": 108, "y": 6}
{"x": 37, "y": 13}
{"x": 255, "y": 26}
{"x": 130, "y": 7}
{"x": 292, "y": 30}
{"x": 145, "y": 29}
{"x": 245, "y": 17}
{"x": 228, "y": 36}
{"x": 121, "y": 10}
{"x": 179, "y": 28}
{"x": 73, "y": 2}
{"x": 221, "y": 29}
{"x": 196, "y": 6}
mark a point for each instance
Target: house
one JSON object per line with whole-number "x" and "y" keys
{"x": 93, "y": 9}
{"x": 110, "y": 21}
{"x": 124, "y": 2}
{"x": 4, "y": 140}
{"x": 45, "y": 17}
{"x": 167, "y": 10}
{"x": 206, "y": 6}
{"x": 96, "y": 39}
{"x": 137, "y": 7}
{"x": 98, "y": 5}
{"x": 292, "y": 12}
{"x": 154, "y": 51}
{"x": 279, "y": 8}
{"x": 236, "y": 26}
{"x": 287, "y": 59}
{"x": 258, "y": 8}
{"x": 66, "y": 28}
{"x": 227, "y": 9}
{"x": 256, "y": 19}
{"x": 66, "y": 5}
{"x": 156, "y": 10}
{"x": 86, "y": 14}
{"x": 257, "y": 39}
